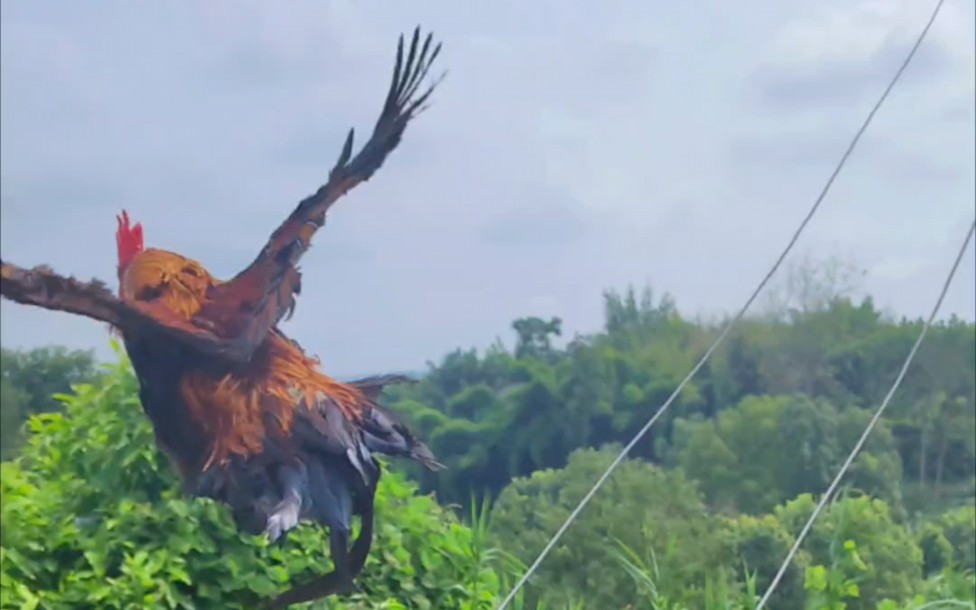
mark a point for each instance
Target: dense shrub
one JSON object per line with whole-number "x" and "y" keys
{"x": 891, "y": 557}
{"x": 93, "y": 517}
{"x": 652, "y": 513}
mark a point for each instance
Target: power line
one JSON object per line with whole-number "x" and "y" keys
{"x": 867, "y": 431}
{"x": 728, "y": 327}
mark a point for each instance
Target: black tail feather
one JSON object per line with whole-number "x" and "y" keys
{"x": 337, "y": 581}
{"x": 373, "y": 386}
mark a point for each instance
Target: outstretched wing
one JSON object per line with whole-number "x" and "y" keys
{"x": 258, "y": 298}
{"x": 42, "y": 287}
{"x": 242, "y": 311}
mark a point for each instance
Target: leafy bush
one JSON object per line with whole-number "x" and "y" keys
{"x": 93, "y": 517}
{"x": 836, "y": 587}
{"x": 762, "y": 543}
{"x": 652, "y": 513}
{"x": 892, "y": 560}
{"x": 936, "y": 549}
{"x": 959, "y": 526}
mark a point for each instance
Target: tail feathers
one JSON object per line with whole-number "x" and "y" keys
{"x": 419, "y": 451}
{"x": 337, "y": 580}
{"x": 425, "y": 456}
{"x": 373, "y": 386}
{"x": 330, "y": 489}
{"x": 385, "y": 433}
{"x": 341, "y": 431}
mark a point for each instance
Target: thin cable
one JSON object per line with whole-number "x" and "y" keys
{"x": 728, "y": 327}
{"x": 867, "y": 431}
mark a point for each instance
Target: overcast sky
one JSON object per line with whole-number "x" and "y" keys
{"x": 575, "y": 146}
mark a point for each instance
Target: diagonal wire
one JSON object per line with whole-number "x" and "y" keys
{"x": 867, "y": 431}
{"x": 728, "y": 327}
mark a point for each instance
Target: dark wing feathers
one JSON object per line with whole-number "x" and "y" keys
{"x": 384, "y": 432}
{"x": 258, "y": 298}
{"x": 42, "y": 287}
{"x": 334, "y": 581}
{"x": 325, "y": 429}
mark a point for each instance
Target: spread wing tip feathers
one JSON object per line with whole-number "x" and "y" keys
{"x": 42, "y": 287}
{"x": 268, "y": 287}
{"x": 399, "y": 107}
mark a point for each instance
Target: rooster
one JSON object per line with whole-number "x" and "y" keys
{"x": 246, "y": 416}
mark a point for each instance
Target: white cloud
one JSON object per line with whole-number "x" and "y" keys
{"x": 852, "y": 31}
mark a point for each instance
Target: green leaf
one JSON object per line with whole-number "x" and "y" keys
{"x": 816, "y": 578}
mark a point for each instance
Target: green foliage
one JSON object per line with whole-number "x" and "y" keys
{"x": 804, "y": 377}
{"x": 892, "y": 560}
{"x": 950, "y": 589}
{"x": 762, "y": 543}
{"x": 768, "y": 449}
{"x": 647, "y": 542}
{"x": 834, "y": 587}
{"x": 43, "y": 372}
{"x": 534, "y": 336}
{"x": 937, "y": 551}
{"x": 768, "y": 419}
{"x": 92, "y": 518}
{"x": 959, "y": 528}
{"x": 701, "y": 516}
{"x": 29, "y": 380}
{"x": 13, "y": 406}
{"x": 657, "y": 590}
{"x": 655, "y": 512}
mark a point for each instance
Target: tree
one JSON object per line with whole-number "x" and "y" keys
{"x": 736, "y": 456}
{"x": 952, "y": 414}
{"x": 877, "y": 470}
{"x": 771, "y": 415}
{"x": 743, "y": 361}
{"x": 811, "y": 285}
{"x": 768, "y": 449}
{"x": 762, "y": 543}
{"x": 30, "y": 380}
{"x": 12, "y": 415}
{"x": 959, "y": 527}
{"x": 650, "y": 510}
{"x": 43, "y": 372}
{"x": 534, "y": 336}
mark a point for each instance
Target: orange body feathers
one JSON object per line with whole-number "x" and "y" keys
{"x": 239, "y": 407}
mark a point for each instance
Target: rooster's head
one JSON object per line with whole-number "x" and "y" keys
{"x": 153, "y": 274}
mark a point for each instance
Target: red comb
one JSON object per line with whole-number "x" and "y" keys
{"x": 129, "y": 239}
